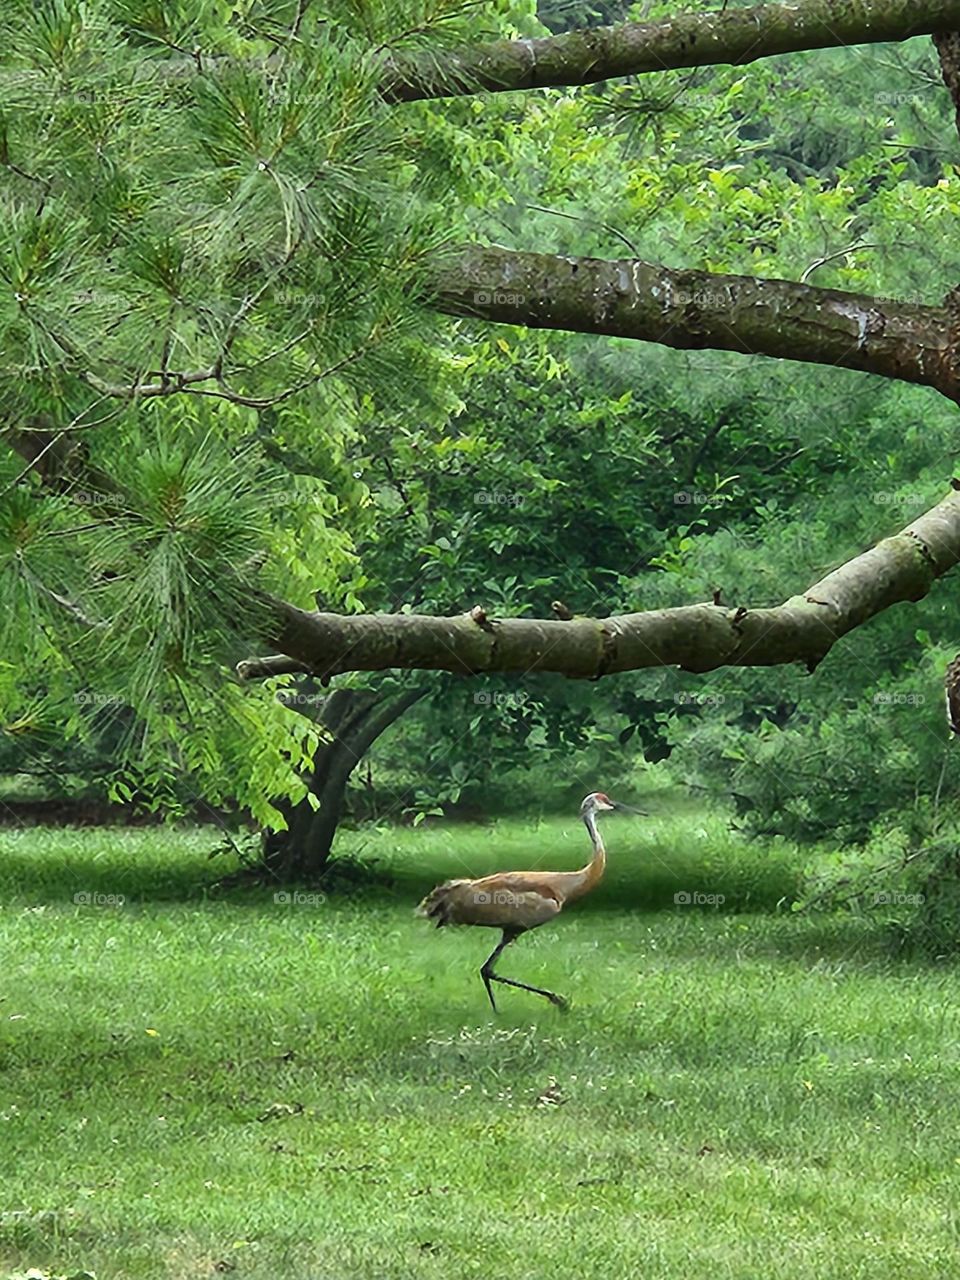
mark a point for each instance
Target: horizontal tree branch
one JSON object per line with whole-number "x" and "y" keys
{"x": 630, "y": 298}
{"x": 698, "y": 637}
{"x": 733, "y": 37}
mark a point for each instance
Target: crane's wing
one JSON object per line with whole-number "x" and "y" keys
{"x": 507, "y": 908}
{"x": 502, "y": 901}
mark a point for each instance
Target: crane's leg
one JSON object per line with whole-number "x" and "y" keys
{"x": 486, "y": 973}
{"x": 488, "y": 976}
{"x": 552, "y": 996}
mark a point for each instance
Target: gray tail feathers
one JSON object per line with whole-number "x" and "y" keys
{"x": 438, "y": 904}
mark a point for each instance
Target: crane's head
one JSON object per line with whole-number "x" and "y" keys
{"x": 600, "y": 802}
{"x": 596, "y": 802}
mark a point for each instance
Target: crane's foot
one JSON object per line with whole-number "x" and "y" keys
{"x": 559, "y": 1001}
{"x": 486, "y": 983}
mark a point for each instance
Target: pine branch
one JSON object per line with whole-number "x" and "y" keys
{"x": 722, "y": 37}
{"x": 62, "y": 602}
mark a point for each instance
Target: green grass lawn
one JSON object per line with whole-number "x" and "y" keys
{"x": 193, "y": 1085}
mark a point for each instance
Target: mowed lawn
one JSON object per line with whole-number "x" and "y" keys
{"x": 193, "y": 1085}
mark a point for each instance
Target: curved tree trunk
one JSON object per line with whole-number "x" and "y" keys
{"x": 354, "y": 720}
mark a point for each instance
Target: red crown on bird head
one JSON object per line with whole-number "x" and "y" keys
{"x": 597, "y": 800}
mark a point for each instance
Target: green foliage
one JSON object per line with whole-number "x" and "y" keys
{"x": 261, "y": 220}
{"x": 209, "y": 203}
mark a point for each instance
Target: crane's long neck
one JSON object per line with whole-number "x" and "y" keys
{"x": 590, "y": 875}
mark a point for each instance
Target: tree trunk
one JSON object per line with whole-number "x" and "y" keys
{"x": 354, "y": 720}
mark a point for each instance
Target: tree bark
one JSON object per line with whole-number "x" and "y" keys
{"x": 693, "y": 310}
{"x": 698, "y": 637}
{"x": 735, "y": 37}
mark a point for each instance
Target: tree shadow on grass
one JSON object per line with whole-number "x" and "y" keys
{"x": 35, "y": 870}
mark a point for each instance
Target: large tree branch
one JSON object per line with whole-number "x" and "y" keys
{"x": 697, "y": 637}
{"x": 735, "y": 37}
{"x": 722, "y": 37}
{"x": 699, "y": 309}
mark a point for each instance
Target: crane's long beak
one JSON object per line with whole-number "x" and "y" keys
{"x": 627, "y": 808}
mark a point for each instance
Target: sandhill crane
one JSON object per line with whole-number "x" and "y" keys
{"x": 517, "y": 901}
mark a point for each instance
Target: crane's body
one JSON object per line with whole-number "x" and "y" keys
{"x": 517, "y": 901}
